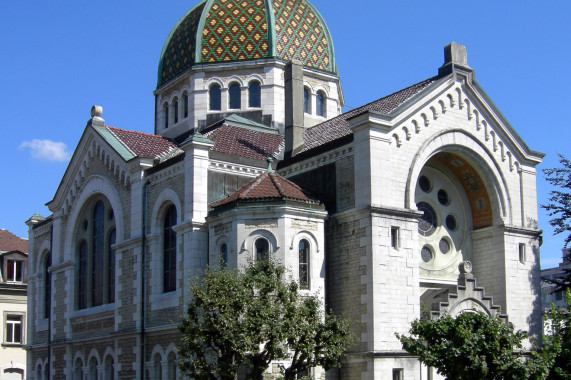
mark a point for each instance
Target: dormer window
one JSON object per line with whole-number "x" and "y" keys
{"x": 185, "y": 105}
{"x": 254, "y": 94}
{"x": 14, "y": 270}
{"x": 166, "y": 114}
{"x": 175, "y": 109}
{"x": 306, "y": 100}
{"x": 320, "y": 103}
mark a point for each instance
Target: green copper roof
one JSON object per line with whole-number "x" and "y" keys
{"x": 234, "y": 30}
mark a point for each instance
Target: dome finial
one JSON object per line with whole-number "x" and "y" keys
{"x": 270, "y": 160}
{"x": 96, "y": 119}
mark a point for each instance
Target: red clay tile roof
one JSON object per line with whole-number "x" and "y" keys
{"x": 142, "y": 144}
{"x": 338, "y": 127}
{"x": 245, "y": 142}
{"x": 268, "y": 186}
{"x": 11, "y": 242}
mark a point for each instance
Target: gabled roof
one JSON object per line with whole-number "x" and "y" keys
{"x": 130, "y": 144}
{"x": 338, "y": 127}
{"x": 11, "y": 242}
{"x": 245, "y": 140}
{"x": 269, "y": 186}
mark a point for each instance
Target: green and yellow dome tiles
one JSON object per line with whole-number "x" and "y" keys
{"x": 234, "y": 30}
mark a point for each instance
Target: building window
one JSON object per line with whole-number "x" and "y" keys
{"x": 320, "y": 103}
{"x": 395, "y": 238}
{"x": 111, "y": 266}
{"x": 185, "y": 105}
{"x": 224, "y": 253}
{"x": 214, "y": 97}
{"x": 157, "y": 368}
{"x": 95, "y": 257}
{"x": 398, "y": 374}
{"x": 306, "y": 100}
{"x": 14, "y": 270}
{"x": 171, "y": 367}
{"x": 92, "y": 375}
{"x": 47, "y": 284}
{"x": 14, "y": 329}
{"x": 78, "y": 370}
{"x": 254, "y": 94}
{"x": 109, "y": 372}
{"x": 304, "y": 264}
{"x": 169, "y": 251}
{"x": 522, "y": 253}
{"x": 175, "y": 110}
{"x": 235, "y": 102}
{"x": 262, "y": 249}
{"x": 166, "y": 115}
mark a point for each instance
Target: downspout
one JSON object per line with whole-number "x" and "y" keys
{"x": 48, "y": 370}
{"x": 143, "y": 268}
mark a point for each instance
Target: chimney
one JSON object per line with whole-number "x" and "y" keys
{"x": 455, "y": 57}
{"x": 293, "y": 108}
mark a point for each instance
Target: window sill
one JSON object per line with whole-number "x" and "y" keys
{"x": 93, "y": 313}
{"x": 5, "y": 344}
{"x": 164, "y": 300}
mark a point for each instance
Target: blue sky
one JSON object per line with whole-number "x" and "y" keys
{"x": 60, "y": 57}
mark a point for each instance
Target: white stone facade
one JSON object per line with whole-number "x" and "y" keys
{"x": 408, "y": 195}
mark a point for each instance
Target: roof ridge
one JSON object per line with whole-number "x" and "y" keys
{"x": 251, "y": 185}
{"x": 137, "y": 132}
{"x": 362, "y": 107}
{"x": 276, "y": 184}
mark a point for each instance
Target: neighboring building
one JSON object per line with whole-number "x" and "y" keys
{"x": 13, "y": 307}
{"x": 394, "y": 206}
{"x": 549, "y": 292}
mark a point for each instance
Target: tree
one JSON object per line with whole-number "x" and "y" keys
{"x": 472, "y": 345}
{"x": 249, "y": 319}
{"x": 557, "y": 342}
{"x": 559, "y": 208}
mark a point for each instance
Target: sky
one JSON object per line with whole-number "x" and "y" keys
{"x": 59, "y": 57}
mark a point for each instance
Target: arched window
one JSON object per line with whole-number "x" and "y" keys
{"x": 306, "y": 100}
{"x": 39, "y": 372}
{"x": 111, "y": 266}
{"x": 166, "y": 114}
{"x": 169, "y": 251}
{"x": 82, "y": 275}
{"x": 185, "y": 105}
{"x": 98, "y": 254}
{"x": 262, "y": 249}
{"x": 304, "y": 264}
{"x": 78, "y": 370}
{"x": 254, "y": 94}
{"x": 171, "y": 369}
{"x": 92, "y": 369}
{"x": 224, "y": 253}
{"x": 175, "y": 110}
{"x": 214, "y": 95}
{"x": 109, "y": 372}
{"x": 95, "y": 257}
{"x": 157, "y": 368}
{"x": 320, "y": 103}
{"x": 47, "y": 284}
{"x": 235, "y": 101}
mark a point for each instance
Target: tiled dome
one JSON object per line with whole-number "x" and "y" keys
{"x": 233, "y": 30}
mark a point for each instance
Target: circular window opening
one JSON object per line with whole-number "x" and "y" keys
{"x": 444, "y": 246}
{"x": 426, "y": 254}
{"x": 427, "y": 223}
{"x": 451, "y": 223}
{"x": 424, "y": 184}
{"x": 443, "y": 197}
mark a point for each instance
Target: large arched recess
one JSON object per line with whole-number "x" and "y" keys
{"x": 94, "y": 185}
{"x": 462, "y": 144}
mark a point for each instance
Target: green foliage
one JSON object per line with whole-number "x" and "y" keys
{"x": 557, "y": 343}
{"x": 249, "y": 319}
{"x": 472, "y": 346}
{"x": 559, "y": 206}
